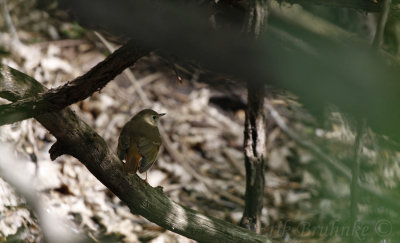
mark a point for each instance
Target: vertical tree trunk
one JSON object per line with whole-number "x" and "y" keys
{"x": 254, "y": 149}
{"x": 256, "y": 17}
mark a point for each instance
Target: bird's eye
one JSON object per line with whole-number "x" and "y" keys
{"x": 154, "y": 117}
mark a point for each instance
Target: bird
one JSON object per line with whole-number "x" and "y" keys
{"x": 140, "y": 141}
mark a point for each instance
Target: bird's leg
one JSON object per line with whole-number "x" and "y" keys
{"x": 146, "y": 177}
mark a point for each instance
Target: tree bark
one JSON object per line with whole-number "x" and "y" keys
{"x": 76, "y": 138}
{"x": 254, "y": 150}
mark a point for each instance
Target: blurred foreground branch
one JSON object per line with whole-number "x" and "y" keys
{"x": 355, "y": 174}
{"x": 73, "y": 91}
{"x": 341, "y": 73}
{"x": 76, "y": 138}
{"x": 15, "y": 173}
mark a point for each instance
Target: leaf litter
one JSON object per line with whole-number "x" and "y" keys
{"x": 207, "y": 132}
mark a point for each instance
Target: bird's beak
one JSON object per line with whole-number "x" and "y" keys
{"x": 162, "y": 114}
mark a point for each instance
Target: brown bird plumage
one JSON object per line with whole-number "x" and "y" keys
{"x": 140, "y": 141}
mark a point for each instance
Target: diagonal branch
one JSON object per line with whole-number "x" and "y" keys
{"x": 76, "y": 138}
{"x": 75, "y": 90}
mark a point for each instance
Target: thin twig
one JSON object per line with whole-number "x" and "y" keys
{"x": 305, "y": 143}
{"x": 380, "y": 28}
{"x": 9, "y": 23}
{"x": 234, "y": 163}
{"x": 127, "y": 72}
{"x": 61, "y": 43}
{"x": 355, "y": 172}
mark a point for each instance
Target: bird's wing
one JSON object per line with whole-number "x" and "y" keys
{"x": 149, "y": 151}
{"x": 132, "y": 159}
{"x": 123, "y": 144}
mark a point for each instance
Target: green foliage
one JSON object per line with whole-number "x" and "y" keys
{"x": 72, "y": 31}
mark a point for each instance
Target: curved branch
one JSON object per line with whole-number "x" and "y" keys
{"x": 75, "y": 90}
{"x": 79, "y": 140}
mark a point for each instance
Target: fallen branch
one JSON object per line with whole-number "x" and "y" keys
{"x": 75, "y": 90}
{"x": 76, "y": 138}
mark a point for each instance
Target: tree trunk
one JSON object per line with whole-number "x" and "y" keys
{"x": 254, "y": 149}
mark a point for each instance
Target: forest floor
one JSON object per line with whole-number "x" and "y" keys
{"x": 204, "y": 125}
